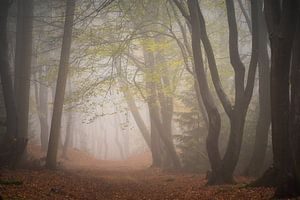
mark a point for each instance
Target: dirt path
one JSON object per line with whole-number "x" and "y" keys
{"x": 132, "y": 179}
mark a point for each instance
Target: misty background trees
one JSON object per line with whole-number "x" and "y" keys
{"x": 194, "y": 83}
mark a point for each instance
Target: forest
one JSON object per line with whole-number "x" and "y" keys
{"x": 149, "y": 99}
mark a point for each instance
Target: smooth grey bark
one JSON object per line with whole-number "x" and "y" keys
{"x": 51, "y": 160}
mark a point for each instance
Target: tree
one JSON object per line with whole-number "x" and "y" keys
{"x": 69, "y": 123}
{"x": 295, "y": 104}
{"x": 23, "y": 64}
{"x": 210, "y": 106}
{"x": 282, "y": 20}
{"x": 160, "y": 137}
{"x": 264, "y": 119}
{"x": 13, "y": 145}
{"x": 51, "y": 160}
{"x": 6, "y": 79}
{"x": 223, "y": 169}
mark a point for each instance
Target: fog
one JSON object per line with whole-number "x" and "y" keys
{"x": 166, "y": 87}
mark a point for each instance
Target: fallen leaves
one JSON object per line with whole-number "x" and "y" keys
{"x": 142, "y": 184}
{"x": 118, "y": 180}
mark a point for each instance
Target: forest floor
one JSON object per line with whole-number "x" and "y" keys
{"x": 83, "y": 177}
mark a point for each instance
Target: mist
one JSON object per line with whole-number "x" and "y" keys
{"x": 149, "y": 99}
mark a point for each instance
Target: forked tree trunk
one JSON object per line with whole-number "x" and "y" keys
{"x": 222, "y": 170}
{"x": 51, "y": 160}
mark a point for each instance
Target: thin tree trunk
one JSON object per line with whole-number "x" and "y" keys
{"x": 137, "y": 117}
{"x": 132, "y": 106}
{"x": 51, "y": 160}
{"x": 69, "y": 130}
{"x": 68, "y": 136}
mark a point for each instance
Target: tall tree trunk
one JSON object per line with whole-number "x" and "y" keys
{"x": 165, "y": 99}
{"x": 6, "y": 79}
{"x": 51, "y": 160}
{"x": 68, "y": 136}
{"x": 295, "y": 106}
{"x": 264, "y": 119}
{"x": 222, "y": 170}
{"x": 156, "y": 144}
{"x": 69, "y": 130}
{"x": 210, "y": 106}
{"x": 281, "y": 21}
{"x": 23, "y": 64}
